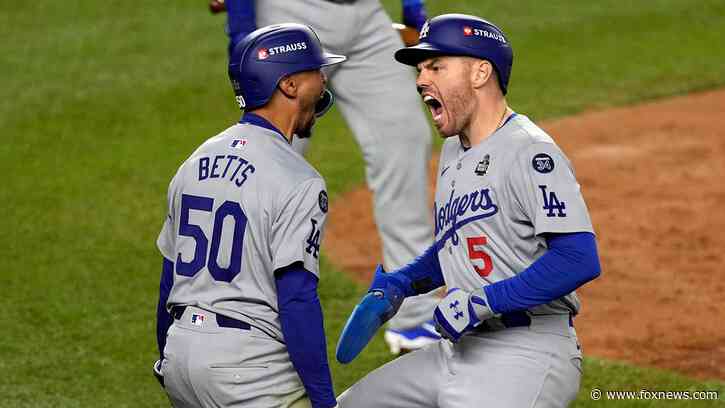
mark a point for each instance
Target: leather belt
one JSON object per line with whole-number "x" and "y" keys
{"x": 221, "y": 320}
{"x": 508, "y": 320}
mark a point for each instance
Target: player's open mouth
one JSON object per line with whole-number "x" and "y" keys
{"x": 436, "y": 108}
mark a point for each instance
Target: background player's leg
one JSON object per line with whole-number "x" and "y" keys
{"x": 412, "y": 380}
{"x": 378, "y": 99}
{"x": 314, "y": 13}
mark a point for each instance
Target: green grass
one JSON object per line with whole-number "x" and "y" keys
{"x": 101, "y": 101}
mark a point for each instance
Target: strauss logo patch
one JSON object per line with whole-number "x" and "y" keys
{"x": 265, "y": 53}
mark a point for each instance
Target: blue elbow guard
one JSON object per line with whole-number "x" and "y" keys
{"x": 382, "y": 301}
{"x": 366, "y": 318}
{"x": 386, "y": 294}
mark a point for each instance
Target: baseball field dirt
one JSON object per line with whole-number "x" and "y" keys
{"x": 653, "y": 176}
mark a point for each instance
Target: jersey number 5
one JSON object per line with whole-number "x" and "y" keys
{"x": 228, "y": 209}
{"x": 478, "y": 254}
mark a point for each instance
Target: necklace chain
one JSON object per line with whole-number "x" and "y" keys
{"x": 501, "y": 121}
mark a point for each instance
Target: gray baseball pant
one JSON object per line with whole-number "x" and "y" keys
{"x": 210, "y": 366}
{"x": 537, "y": 367}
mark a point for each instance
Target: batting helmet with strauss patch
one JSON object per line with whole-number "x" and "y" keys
{"x": 265, "y": 56}
{"x": 463, "y": 35}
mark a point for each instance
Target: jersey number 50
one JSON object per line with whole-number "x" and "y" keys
{"x": 228, "y": 209}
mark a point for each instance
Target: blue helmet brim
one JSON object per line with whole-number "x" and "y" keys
{"x": 418, "y": 53}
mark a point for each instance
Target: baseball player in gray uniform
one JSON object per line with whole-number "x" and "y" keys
{"x": 377, "y": 98}
{"x": 239, "y": 320}
{"x": 513, "y": 242}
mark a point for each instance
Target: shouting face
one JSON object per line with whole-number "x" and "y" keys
{"x": 445, "y": 86}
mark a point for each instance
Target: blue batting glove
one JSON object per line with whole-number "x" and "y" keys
{"x": 414, "y": 13}
{"x": 460, "y": 312}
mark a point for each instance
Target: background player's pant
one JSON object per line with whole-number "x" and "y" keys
{"x": 210, "y": 366}
{"x": 537, "y": 366}
{"x": 378, "y": 99}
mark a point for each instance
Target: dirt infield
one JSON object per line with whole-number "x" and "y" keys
{"x": 653, "y": 177}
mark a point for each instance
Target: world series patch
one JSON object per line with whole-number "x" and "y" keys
{"x": 482, "y": 166}
{"x": 543, "y": 163}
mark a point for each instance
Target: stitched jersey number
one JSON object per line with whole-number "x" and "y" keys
{"x": 228, "y": 209}
{"x": 478, "y": 254}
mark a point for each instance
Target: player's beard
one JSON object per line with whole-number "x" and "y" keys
{"x": 307, "y": 121}
{"x": 304, "y": 131}
{"x": 458, "y": 106}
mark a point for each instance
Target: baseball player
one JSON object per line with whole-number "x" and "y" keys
{"x": 513, "y": 242}
{"x": 377, "y": 98}
{"x": 239, "y": 320}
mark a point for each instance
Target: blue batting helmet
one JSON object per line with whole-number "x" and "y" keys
{"x": 265, "y": 56}
{"x": 463, "y": 35}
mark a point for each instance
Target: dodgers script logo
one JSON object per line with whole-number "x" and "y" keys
{"x": 469, "y": 207}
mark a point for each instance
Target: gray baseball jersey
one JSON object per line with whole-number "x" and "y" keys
{"x": 243, "y": 205}
{"x": 493, "y": 202}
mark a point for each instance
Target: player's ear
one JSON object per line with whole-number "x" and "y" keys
{"x": 289, "y": 86}
{"x": 481, "y": 72}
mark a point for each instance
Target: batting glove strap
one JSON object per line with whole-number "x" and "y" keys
{"x": 460, "y": 312}
{"x": 480, "y": 306}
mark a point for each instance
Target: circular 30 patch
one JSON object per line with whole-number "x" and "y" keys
{"x": 322, "y": 201}
{"x": 543, "y": 163}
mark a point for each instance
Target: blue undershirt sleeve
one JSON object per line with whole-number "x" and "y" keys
{"x": 241, "y": 20}
{"x": 421, "y": 275}
{"x": 302, "y": 325}
{"x": 570, "y": 262}
{"x": 163, "y": 318}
